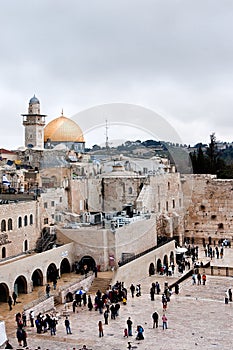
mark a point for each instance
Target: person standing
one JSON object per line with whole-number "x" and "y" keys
{"x": 198, "y": 278}
{"x": 226, "y": 297}
{"x": 89, "y": 303}
{"x": 155, "y": 318}
{"x": 132, "y": 289}
{"x": 24, "y": 318}
{"x": 31, "y": 317}
{"x": 106, "y": 317}
{"x": 164, "y": 320}
{"x": 10, "y": 302}
{"x": 152, "y": 293}
{"x": 129, "y": 326}
{"x": 14, "y": 296}
{"x": 101, "y": 331}
{"x": 204, "y": 279}
{"x": 67, "y": 325}
{"x": 230, "y": 294}
{"x": 47, "y": 290}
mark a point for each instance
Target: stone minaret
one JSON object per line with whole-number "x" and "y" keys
{"x": 34, "y": 123}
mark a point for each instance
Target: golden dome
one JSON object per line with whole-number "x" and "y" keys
{"x": 63, "y": 129}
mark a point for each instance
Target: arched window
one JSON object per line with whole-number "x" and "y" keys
{"x": 10, "y": 226}
{"x": 25, "y": 245}
{"x": 25, "y": 220}
{"x": 31, "y": 219}
{"x": 3, "y": 225}
{"x": 19, "y": 222}
{"x": 3, "y": 252}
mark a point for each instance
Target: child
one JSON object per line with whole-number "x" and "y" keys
{"x": 126, "y": 333}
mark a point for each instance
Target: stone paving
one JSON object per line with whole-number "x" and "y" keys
{"x": 197, "y": 318}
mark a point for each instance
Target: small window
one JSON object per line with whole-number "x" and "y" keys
{"x": 52, "y": 204}
{"x": 173, "y": 203}
{"x": 9, "y": 225}
{"x": 3, "y": 226}
{"x": 130, "y": 190}
{"x": 180, "y": 202}
{"x": 19, "y": 222}
{"x": 168, "y": 186}
{"x": 60, "y": 199}
{"x": 46, "y": 221}
{"x": 167, "y": 206}
{"x": 45, "y": 205}
{"x": 158, "y": 207}
{"x": 25, "y": 220}
{"x": 31, "y": 219}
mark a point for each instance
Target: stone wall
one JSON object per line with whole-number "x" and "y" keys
{"x": 29, "y": 230}
{"x": 139, "y": 268}
{"x": 209, "y": 210}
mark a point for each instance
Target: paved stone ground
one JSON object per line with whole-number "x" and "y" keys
{"x": 197, "y": 319}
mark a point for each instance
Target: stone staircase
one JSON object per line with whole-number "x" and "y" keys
{"x": 101, "y": 282}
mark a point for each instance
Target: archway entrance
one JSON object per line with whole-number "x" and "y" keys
{"x": 4, "y": 293}
{"x": 37, "y": 278}
{"x": 151, "y": 269}
{"x": 20, "y": 285}
{"x": 52, "y": 273}
{"x": 159, "y": 266}
{"x": 65, "y": 266}
{"x": 86, "y": 264}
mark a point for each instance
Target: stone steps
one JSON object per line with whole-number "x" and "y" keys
{"x": 101, "y": 282}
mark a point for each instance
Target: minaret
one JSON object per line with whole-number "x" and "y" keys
{"x": 34, "y": 123}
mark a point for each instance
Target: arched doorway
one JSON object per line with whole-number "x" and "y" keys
{"x": 86, "y": 264}
{"x": 64, "y": 266}
{"x": 151, "y": 269}
{"x": 37, "y": 278}
{"x": 4, "y": 293}
{"x": 20, "y": 285}
{"x": 165, "y": 264}
{"x": 159, "y": 266}
{"x": 52, "y": 273}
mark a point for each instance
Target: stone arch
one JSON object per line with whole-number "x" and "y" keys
{"x": 172, "y": 258}
{"x": 165, "y": 260}
{"x": 151, "y": 269}
{"x": 52, "y": 272}
{"x": 3, "y": 225}
{"x": 20, "y": 285}
{"x": 65, "y": 266}
{"x": 87, "y": 263}
{"x": 158, "y": 265}
{"x": 37, "y": 278}
{"x": 4, "y": 292}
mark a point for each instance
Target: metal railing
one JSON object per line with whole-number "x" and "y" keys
{"x": 136, "y": 256}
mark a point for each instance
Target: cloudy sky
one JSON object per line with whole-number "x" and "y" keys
{"x": 171, "y": 57}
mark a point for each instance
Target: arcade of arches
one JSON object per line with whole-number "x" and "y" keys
{"x": 22, "y": 284}
{"x": 162, "y": 264}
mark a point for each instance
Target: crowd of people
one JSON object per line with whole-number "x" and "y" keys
{"x": 108, "y": 304}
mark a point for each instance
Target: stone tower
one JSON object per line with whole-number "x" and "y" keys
{"x": 34, "y": 123}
